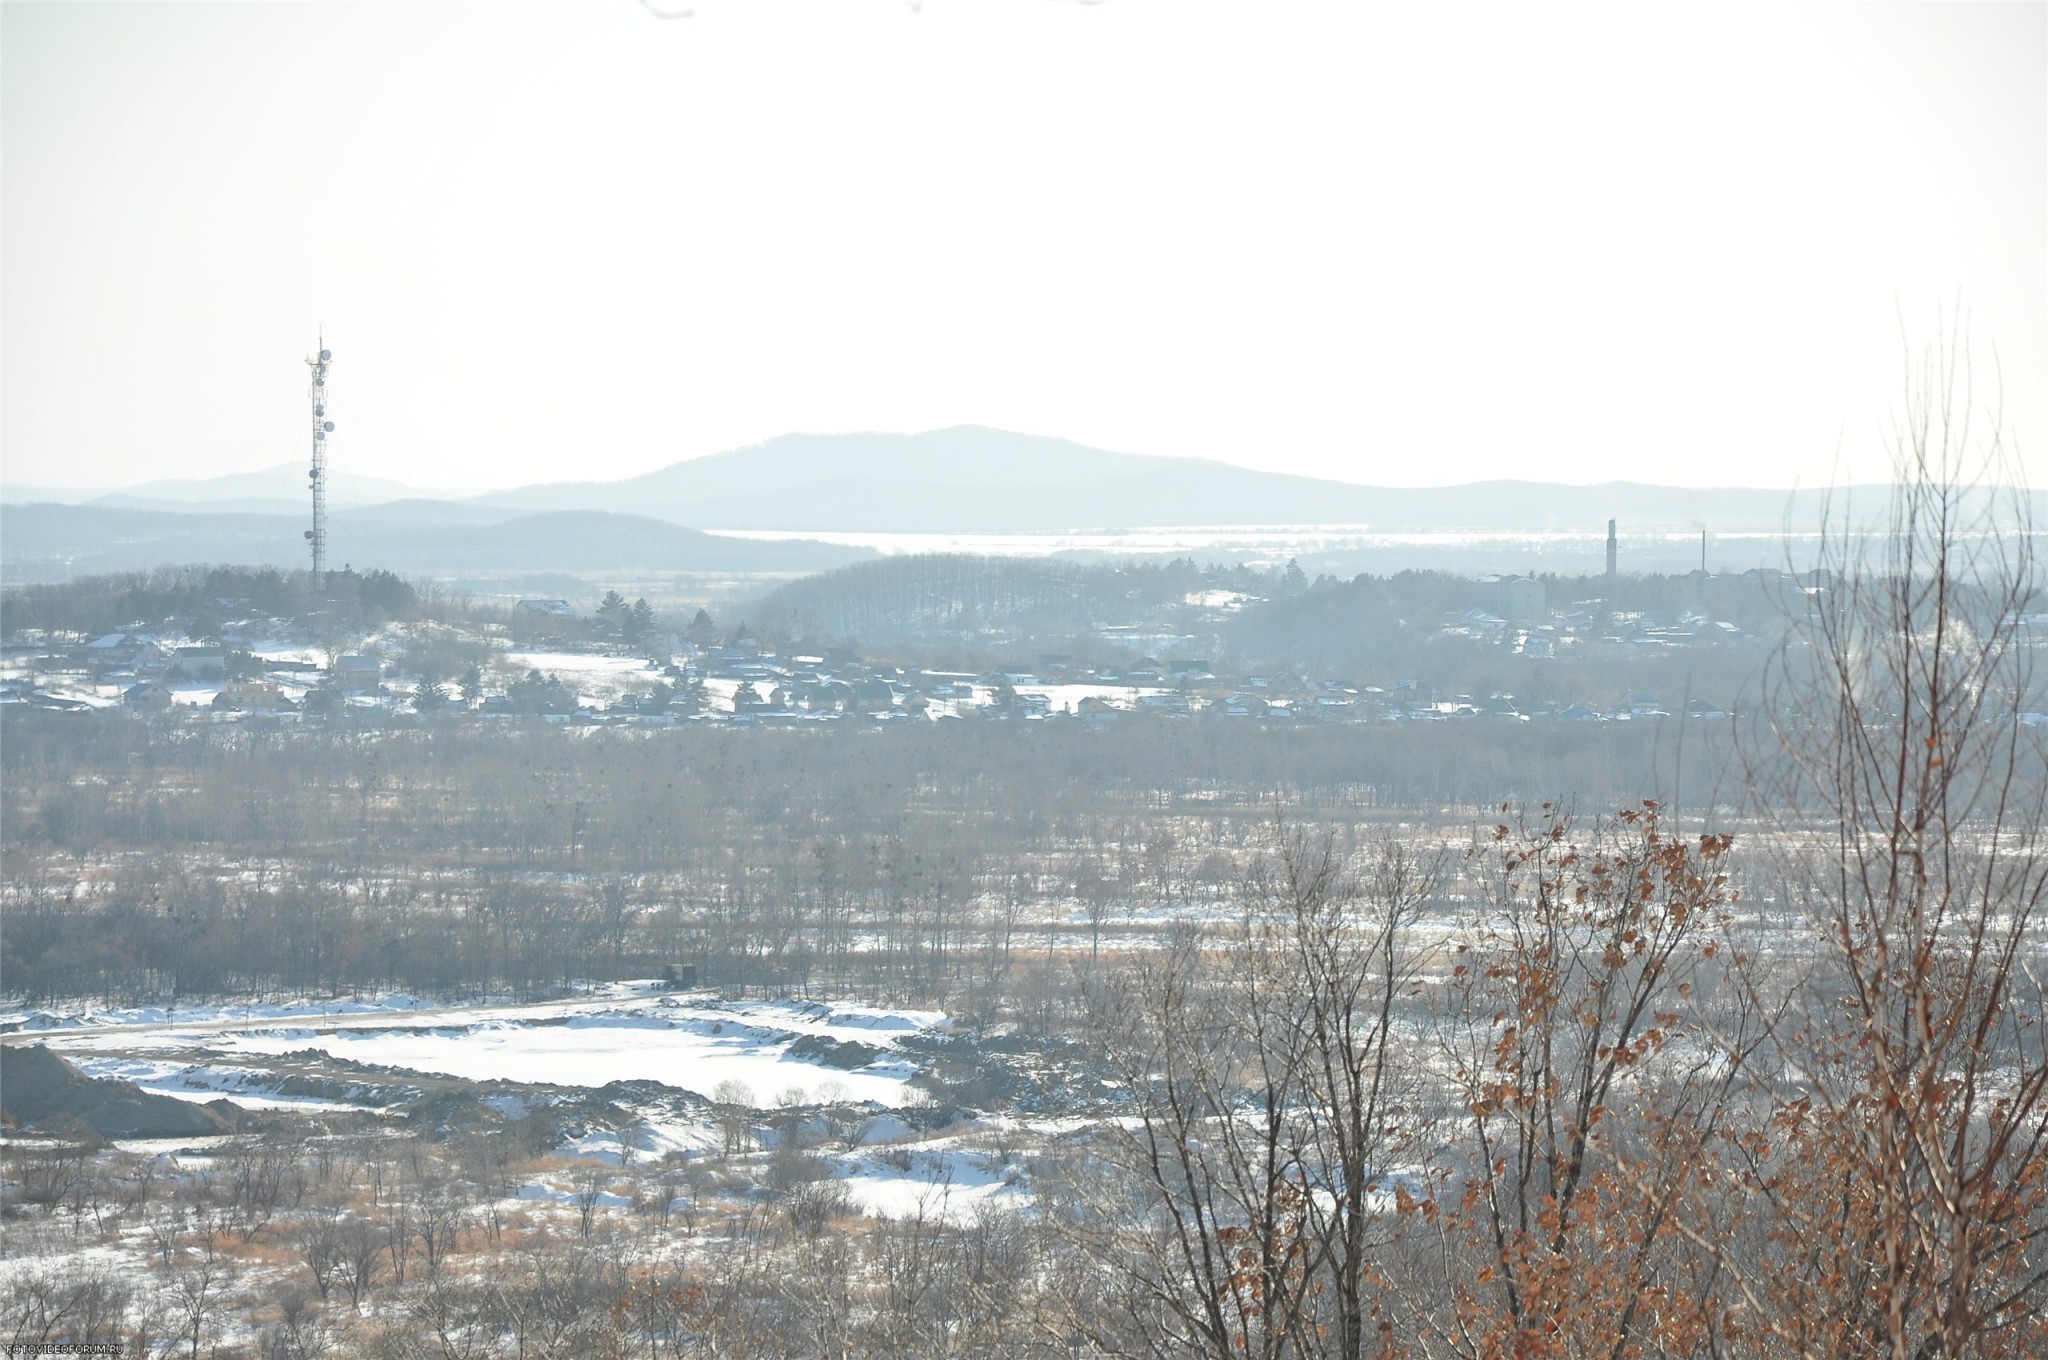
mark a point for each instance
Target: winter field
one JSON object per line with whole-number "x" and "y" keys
{"x": 338, "y": 1039}
{"x": 696, "y": 1046}
{"x": 677, "y": 1054}
{"x": 664, "y": 1125}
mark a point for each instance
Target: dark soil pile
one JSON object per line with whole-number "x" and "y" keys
{"x": 39, "y": 1090}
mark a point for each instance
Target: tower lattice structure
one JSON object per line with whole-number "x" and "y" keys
{"x": 322, "y": 427}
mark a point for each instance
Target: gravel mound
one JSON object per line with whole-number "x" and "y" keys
{"x": 40, "y": 1090}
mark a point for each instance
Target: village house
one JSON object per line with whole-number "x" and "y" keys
{"x": 122, "y": 652}
{"x": 198, "y": 663}
{"x": 253, "y": 696}
{"x": 1095, "y": 711}
{"x": 149, "y": 696}
{"x": 872, "y": 696}
{"x": 357, "y": 674}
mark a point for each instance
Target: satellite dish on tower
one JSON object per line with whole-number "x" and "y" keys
{"x": 325, "y": 355}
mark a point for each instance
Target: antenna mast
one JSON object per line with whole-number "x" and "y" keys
{"x": 322, "y": 427}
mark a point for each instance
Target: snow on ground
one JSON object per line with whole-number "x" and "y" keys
{"x": 94, "y": 1018}
{"x": 285, "y": 652}
{"x": 647, "y": 1141}
{"x": 1220, "y": 599}
{"x": 692, "y": 1043}
{"x": 843, "y": 1018}
{"x": 82, "y": 692}
{"x": 591, "y": 1051}
{"x": 596, "y": 679}
{"x": 1065, "y": 697}
{"x": 885, "y": 1128}
{"x": 183, "y": 1081}
{"x": 934, "y": 1182}
{"x": 546, "y": 1192}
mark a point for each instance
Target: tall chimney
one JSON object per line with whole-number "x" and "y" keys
{"x": 1610, "y": 564}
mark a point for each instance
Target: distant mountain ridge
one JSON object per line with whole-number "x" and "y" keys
{"x": 54, "y": 542}
{"x": 971, "y": 479}
{"x": 281, "y": 488}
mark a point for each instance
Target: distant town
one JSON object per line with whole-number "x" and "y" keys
{"x": 1269, "y": 647}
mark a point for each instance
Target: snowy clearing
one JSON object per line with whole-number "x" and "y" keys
{"x": 596, "y": 679}
{"x": 690, "y": 1043}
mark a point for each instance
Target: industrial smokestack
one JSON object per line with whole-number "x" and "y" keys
{"x": 1610, "y": 563}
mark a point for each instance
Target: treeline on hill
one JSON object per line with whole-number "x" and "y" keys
{"x": 1260, "y": 614}
{"x": 200, "y": 598}
{"x": 911, "y": 598}
{"x": 1371, "y": 619}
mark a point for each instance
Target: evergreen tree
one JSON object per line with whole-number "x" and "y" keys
{"x": 638, "y": 620}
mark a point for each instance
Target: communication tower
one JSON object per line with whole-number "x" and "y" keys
{"x": 322, "y": 427}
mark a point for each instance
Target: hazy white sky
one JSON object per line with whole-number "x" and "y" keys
{"x": 1404, "y": 244}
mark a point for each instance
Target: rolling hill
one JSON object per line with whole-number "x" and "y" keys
{"x": 54, "y": 542}
{"x": 969, "y": 479}
{"x": 972, "y": 480}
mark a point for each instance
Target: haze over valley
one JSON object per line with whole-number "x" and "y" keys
{"x": 1157, "y": 680}
{"x": 967, "y": 489}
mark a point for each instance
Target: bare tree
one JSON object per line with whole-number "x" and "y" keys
{"x": 199, "y": 1279}
{"x": 1592, "y": 1091}
{"x": 1268, "y": 1102}
{"x": 732, "y": 1103}
{"x": 1908, "y": 1186}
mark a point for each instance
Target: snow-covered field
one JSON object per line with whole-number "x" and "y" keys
{"x": 1064, "y": 698}
{"x": 627, "y": 1034}
{"x": 596, "y": 679}
{"x": 284, "y": 651}
{"x": 934, "y": 1181}
{"x": 252, "y": 1089}
{"x": 105, "y": 1018}
{"x": 73, "y": 689}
